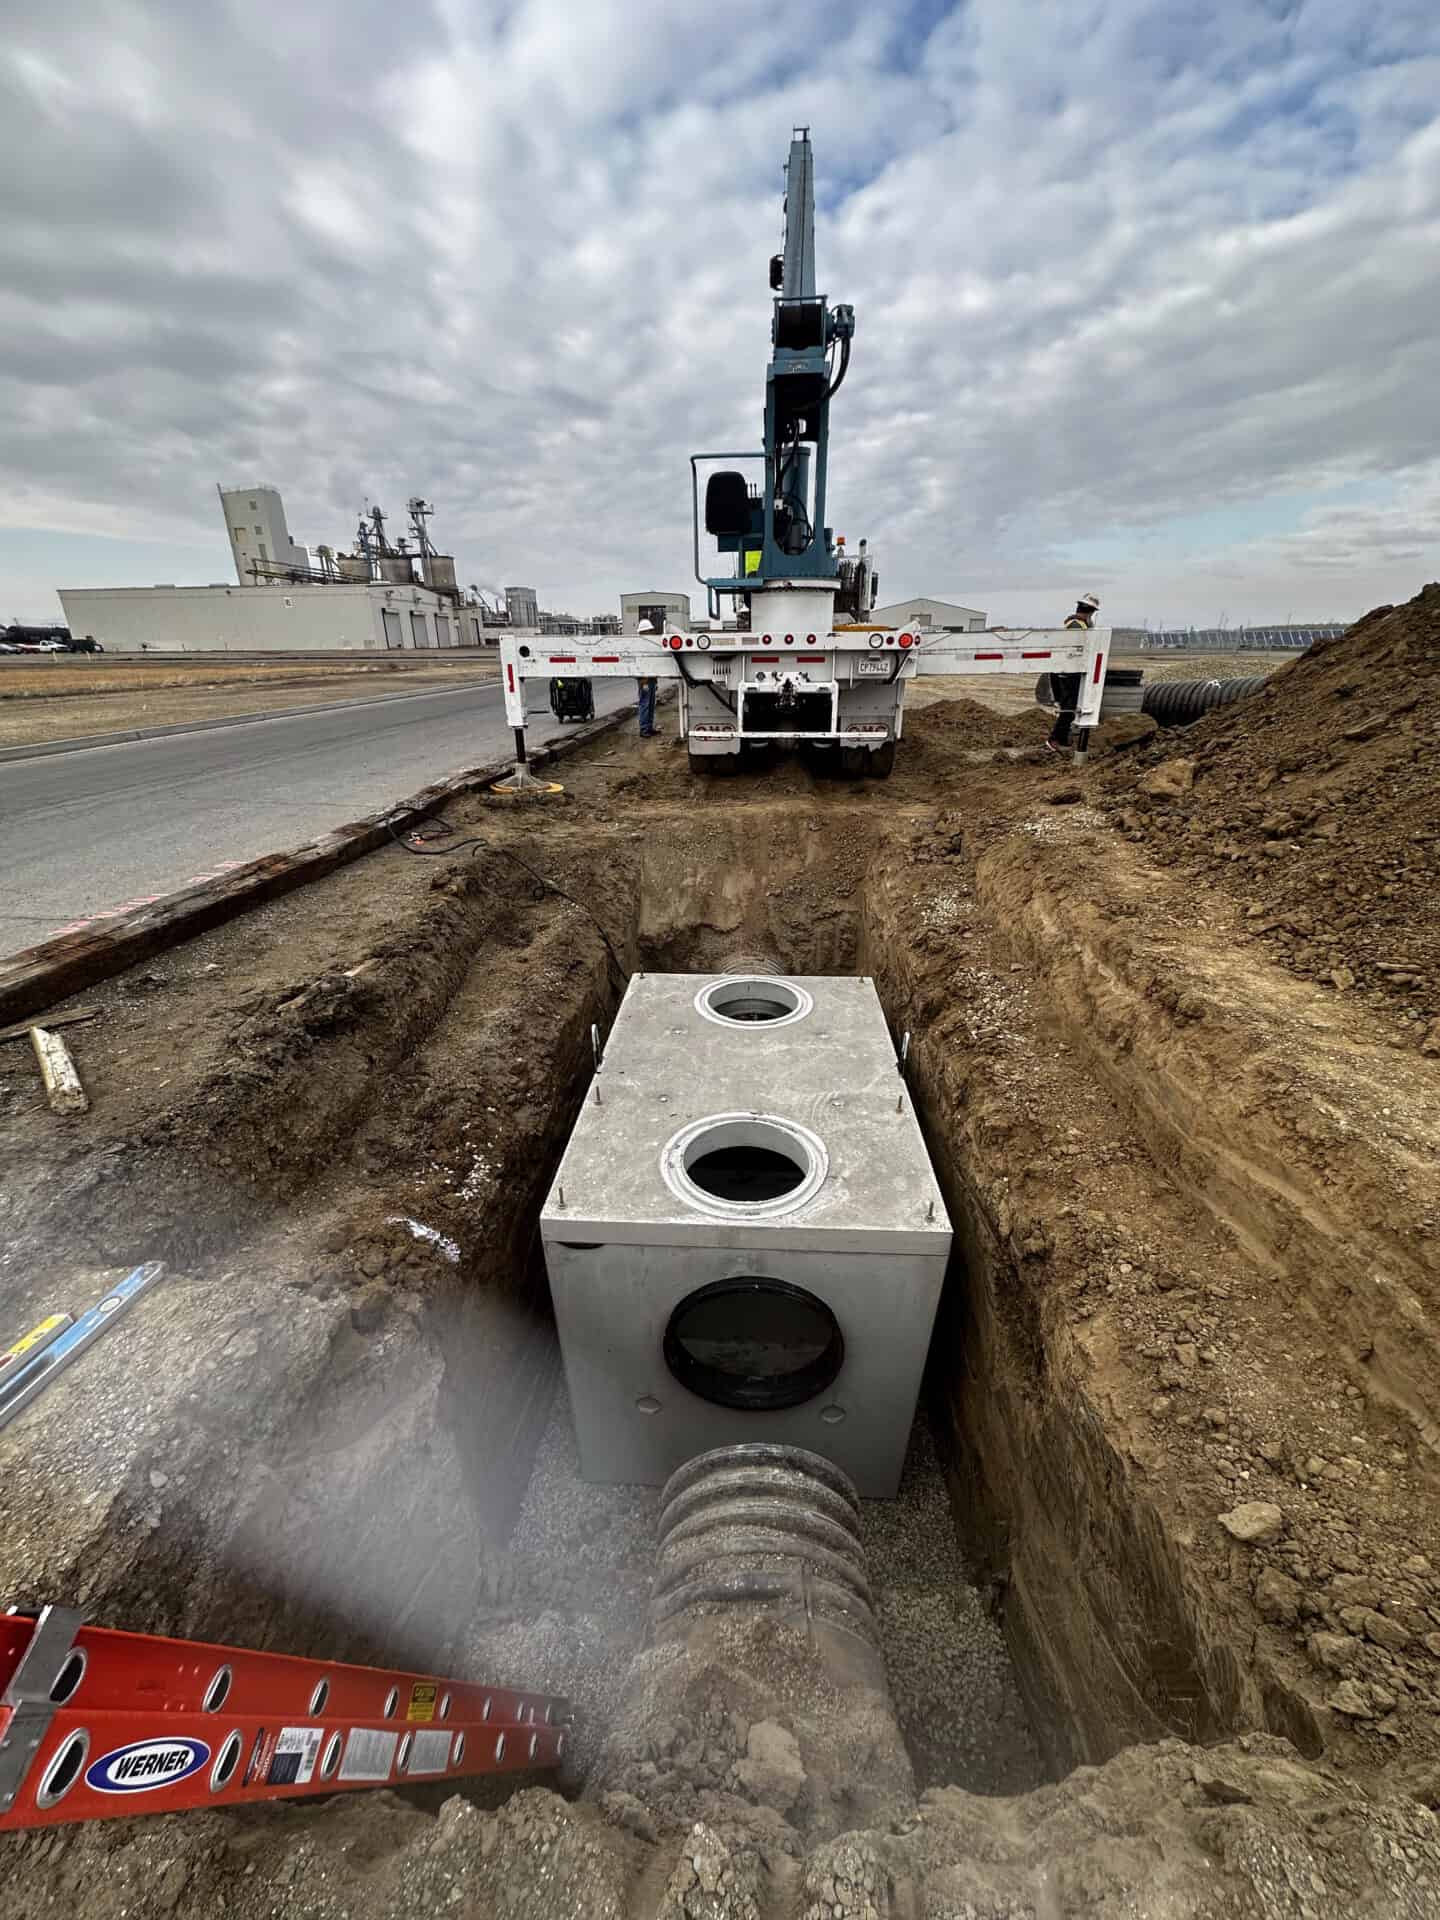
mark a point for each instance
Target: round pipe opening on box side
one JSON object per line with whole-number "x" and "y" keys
{"x": 754, "y": 1343}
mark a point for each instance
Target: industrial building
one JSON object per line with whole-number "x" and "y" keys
{"x": 342, "y": 617}
{"x": 522, "y": 604}
{"x": 255, "y": 522}
{"x": 368, "y": 600}
{"x": 659, "y": 608}
{"x": 937, "y": 616}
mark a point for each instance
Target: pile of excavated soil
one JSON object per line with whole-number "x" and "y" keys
{"x": 943, "y": 740}
{"x": 1316, "y": 806}
{"x": 969, "y": 723}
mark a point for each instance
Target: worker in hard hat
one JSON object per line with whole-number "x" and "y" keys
{"x": 1065, "y": 687}
{"x": 648, "y": 684}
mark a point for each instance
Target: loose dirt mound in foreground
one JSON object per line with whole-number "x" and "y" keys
{"x": 1317, "y": 805}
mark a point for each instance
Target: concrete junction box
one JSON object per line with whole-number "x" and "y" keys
{"x": 745, "y": 1240}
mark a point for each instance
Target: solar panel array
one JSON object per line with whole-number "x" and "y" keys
{"x": 1279, "y": 639}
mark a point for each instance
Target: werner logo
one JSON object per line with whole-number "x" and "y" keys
{"x": 146, "y": 1764}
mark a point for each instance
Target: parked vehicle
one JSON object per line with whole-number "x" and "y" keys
{"x": 23, "y": 639}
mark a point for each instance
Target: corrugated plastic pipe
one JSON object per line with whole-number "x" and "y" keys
{"x": 1177, "y": 703}
{"x": 772, "y": 1529}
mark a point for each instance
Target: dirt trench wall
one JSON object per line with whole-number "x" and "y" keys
{"x": 1110, "y": 1637}
{"x": 1249, "y": 1085}
{"x": 271, "y": 1089}
{"x": 314, "y": 1428}
{"x": 754, "y": 888}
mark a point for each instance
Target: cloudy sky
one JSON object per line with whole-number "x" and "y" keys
{"x": 1147, "y": 291}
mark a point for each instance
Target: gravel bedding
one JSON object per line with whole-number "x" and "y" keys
{"x": 951, "y": 1677}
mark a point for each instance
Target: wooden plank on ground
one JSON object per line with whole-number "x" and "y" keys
{"x": 55, "y": 1020}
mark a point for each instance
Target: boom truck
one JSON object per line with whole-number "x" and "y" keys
{"x": 800, "y": 664}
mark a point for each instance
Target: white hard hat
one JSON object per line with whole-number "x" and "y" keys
{"x": 646, "y": 627}
{"x": 1090, "y": 600}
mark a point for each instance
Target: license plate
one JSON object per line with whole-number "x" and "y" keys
{"x": 872, "y": 666}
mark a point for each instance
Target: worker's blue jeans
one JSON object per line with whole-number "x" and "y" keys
{"x": 647, "y": 706}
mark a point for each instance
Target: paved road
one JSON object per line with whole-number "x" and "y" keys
{"x": 89, "y": 831}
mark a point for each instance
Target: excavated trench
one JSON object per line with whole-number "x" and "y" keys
{"x": 1035, "y": 1614}
{"x": 580, "y": 1555}
{"x": 369, "y": 1454}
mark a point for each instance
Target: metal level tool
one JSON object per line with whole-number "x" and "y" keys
{"x": 14, "y": 1360}
{"x": 35, "y": 1373}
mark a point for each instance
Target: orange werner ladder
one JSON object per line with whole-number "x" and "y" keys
{"x": 96, "y": 1723}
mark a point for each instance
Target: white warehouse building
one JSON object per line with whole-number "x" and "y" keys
{"x": 340, "y": 617}
{"x": 936, "y": 616}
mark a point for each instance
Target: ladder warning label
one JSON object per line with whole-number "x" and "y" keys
{"x": 430, "y": 1754}
{"x": 369, "y": 1754}
{"x": 293, "y": 1762}
{"x": 422, "y": 1701}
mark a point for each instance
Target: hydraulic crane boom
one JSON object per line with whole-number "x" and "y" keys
{"x": 797, "y": 263}
{"x": 801, "y": 664}
{"x": 779, "y": 533}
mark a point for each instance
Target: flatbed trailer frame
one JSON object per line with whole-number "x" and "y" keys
{"x": 843, "y": 689}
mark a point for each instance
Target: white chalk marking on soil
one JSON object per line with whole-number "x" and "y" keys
{"x": 433, "y": 1234}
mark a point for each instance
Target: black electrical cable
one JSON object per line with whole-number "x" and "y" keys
{"x": 717, "y": 690}
{"x": 478, "y": 840}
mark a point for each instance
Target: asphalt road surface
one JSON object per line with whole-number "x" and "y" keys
{"x": 87, "y": 832}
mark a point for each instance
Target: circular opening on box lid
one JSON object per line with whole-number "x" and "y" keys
{"x": 744, "y": 1165}
{"x": 752, "y": 1000}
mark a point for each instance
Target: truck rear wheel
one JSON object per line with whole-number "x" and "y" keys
{"x": 850, "y": 762}
{"x": 880, "y": 761}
